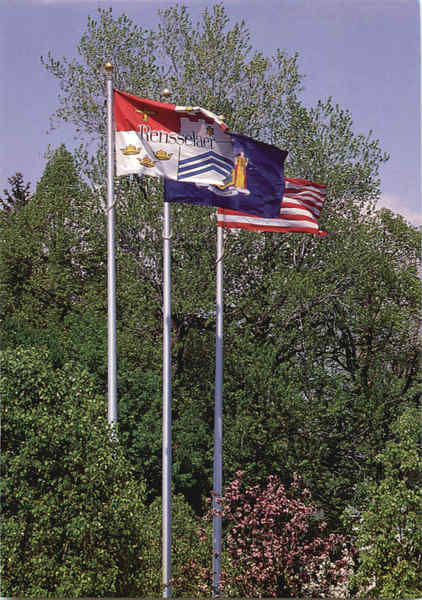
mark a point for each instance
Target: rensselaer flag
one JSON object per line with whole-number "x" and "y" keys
{"x": 165, "y": 140}
{"x": 201, "y": 160}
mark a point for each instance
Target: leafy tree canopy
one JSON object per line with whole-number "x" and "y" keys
{"x": 321, "y": 336}
{"x": 212, "y": 64}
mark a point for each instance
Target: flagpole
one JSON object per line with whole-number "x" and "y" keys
{"x": 166, "y": 491}
{"x": 111, "y": 263}
{"x": 167, "y": 457}
{"x": 218, "y": 421}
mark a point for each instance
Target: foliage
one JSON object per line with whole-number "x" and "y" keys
{"x": 185, "y": 544}
{"x": 51, "y": 249}
{"x": 390, "y": 528}
{"x": 18, "y": 196}
{"x": 325, "y": 350}
{"x": 274, "y": 545}
{"x": 72, "y": 511}
{"x": 75, "y": 522}
{"x": 321, "y": 336}
{"x": 321, "y": 343}
{"x": 209, "y": 63}
{"x": 323, "y": 147}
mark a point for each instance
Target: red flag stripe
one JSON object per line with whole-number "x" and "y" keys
{"x": 293, "y": 188}
{"x": 132, "y": 111}
{"x": 301, "y": 183}
{"x": 304, "y": 194}
{"x": 263, "y": 222}
{"x": 236, "y": 213}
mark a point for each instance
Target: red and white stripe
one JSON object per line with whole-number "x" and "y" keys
{"x": 302, "y": 203}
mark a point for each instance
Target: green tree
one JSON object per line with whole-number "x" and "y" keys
{"x": 72, "y": 511}
{"x": 320, "y": 335}
{"x": 18, "y": 196}
{"x": 327, "y": 350}
{"x": 210, "y": 63}
{"x": 389, "y": 531}
{"x": 74, "y": 518}
{"x": 51, "y": 248}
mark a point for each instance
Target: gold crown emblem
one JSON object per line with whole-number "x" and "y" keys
{"x": 130, "y": 150}
{"x": 161, "y": 155}
{"x": 146, "y": 161}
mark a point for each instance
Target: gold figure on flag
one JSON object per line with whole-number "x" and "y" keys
{"x": 162, "y": 155}
{"x": 146, "y": 161}
{"x": 237, "y": 181}
{"x": 130, "y": 150}
{"x": 239, "y": 174}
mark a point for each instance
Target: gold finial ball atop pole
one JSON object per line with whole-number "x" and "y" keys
{"x": 108, "y": 67}
{"x": 166, "y": 92}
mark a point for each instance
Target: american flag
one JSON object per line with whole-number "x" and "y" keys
{"x": 302, "y": 203}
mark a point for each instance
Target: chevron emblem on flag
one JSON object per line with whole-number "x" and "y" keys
{"x": 192, "y": 167}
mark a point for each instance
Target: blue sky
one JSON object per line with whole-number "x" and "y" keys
{"x": 363, "y": 53}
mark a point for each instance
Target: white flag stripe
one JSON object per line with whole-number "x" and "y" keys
{"x": 306, "y": 196}
{"x": 262, "y": 222}
{"x": 292, "y": 187}
{"x": 290, "y": 203}
{"x": 286, "y": 212}
{"x": 318, "y": 197}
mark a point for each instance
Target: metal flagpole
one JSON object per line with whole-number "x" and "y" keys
{"x": 166, "y": 482}
{"x": 111, "y": 263}
{"x": 166, "y": 490}
{"x": 218, "y": 421}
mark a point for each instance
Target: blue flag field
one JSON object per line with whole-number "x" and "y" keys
{"x": 254, "y": 183}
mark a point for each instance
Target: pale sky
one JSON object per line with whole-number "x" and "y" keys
{"x": 363, "y": 53}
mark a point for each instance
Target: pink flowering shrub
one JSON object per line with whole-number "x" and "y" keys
{"x": 273, "y": 546}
